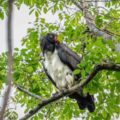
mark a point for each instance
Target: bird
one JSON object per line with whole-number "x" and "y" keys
{"x": 59, "y": 63}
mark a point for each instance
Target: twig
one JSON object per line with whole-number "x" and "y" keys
{"x": 96, "y": 69}
{"x": 101, "y": 7}
{"x": 10, "y": 59}
{"x": 28, "y": 92}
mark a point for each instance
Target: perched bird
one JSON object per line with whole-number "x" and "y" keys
{"x": 59, "y": 64}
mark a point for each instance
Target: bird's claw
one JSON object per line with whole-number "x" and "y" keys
{"x": 54, "y": 94}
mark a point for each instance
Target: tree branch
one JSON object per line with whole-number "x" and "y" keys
{"x": 96, "y": 69}
{"x": 83, "y": 6}
{"x": 10, "y": 59}
{"x": 77, "y": 4}
{"x": 28, "y": 92}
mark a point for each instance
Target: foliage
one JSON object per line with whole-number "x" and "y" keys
{"x": 28, "y": 72}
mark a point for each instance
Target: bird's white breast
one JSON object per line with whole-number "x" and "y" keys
{"x": 60, "y": 73}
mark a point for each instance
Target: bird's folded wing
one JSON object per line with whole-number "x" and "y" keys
{"x": 68, "y": 57}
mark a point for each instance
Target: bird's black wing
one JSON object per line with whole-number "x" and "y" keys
{"x": 67, "y": 56}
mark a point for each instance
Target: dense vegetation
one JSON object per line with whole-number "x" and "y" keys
{"x": 81, "y": 37}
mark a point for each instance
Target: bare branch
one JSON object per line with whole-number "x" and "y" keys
{"x": 28, "y": 92}
{"x": 96, "y": 69}
{"x": 10, "y": 58}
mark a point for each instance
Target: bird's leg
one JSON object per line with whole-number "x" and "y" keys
{"x": 63, "y": 90}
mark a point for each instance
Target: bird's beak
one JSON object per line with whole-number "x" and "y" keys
{"x": 56, "y": 39}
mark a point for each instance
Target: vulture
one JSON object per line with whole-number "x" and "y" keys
{"x": 59, "y": 63}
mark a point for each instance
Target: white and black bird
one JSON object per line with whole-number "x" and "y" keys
{"x": 59, "y": 64}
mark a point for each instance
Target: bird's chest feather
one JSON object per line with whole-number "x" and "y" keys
{"x": 60, "y": 73}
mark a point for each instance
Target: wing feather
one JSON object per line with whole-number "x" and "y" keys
{"x": 67, "y": 56}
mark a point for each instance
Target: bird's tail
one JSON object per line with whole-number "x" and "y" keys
{"x": 86, "y": 101}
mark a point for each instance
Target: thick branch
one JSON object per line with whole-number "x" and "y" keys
{"x": 83, "y": 6}
{"x": 28, "y": 92}
{"x": 96, "y": 69}
{"x": 10, "y": 59}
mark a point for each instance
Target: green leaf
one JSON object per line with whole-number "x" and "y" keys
{"x": 104, "y": 114}
{"x": 16, "y": 49}
{"x": 45, "y": 10}
{"x": 29, "y": 69}
{"x": 76, "y": 72}
{"x": 1, "y": 15}
{"x": 99, "y": 21}
{"x": 60, "y": 16}
{"x": 117, "y": 75}
{"x": 36, "y": 13}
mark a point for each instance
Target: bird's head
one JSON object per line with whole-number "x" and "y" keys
{"x": 52, "y": 38}
{"x": 48, "y": 42}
